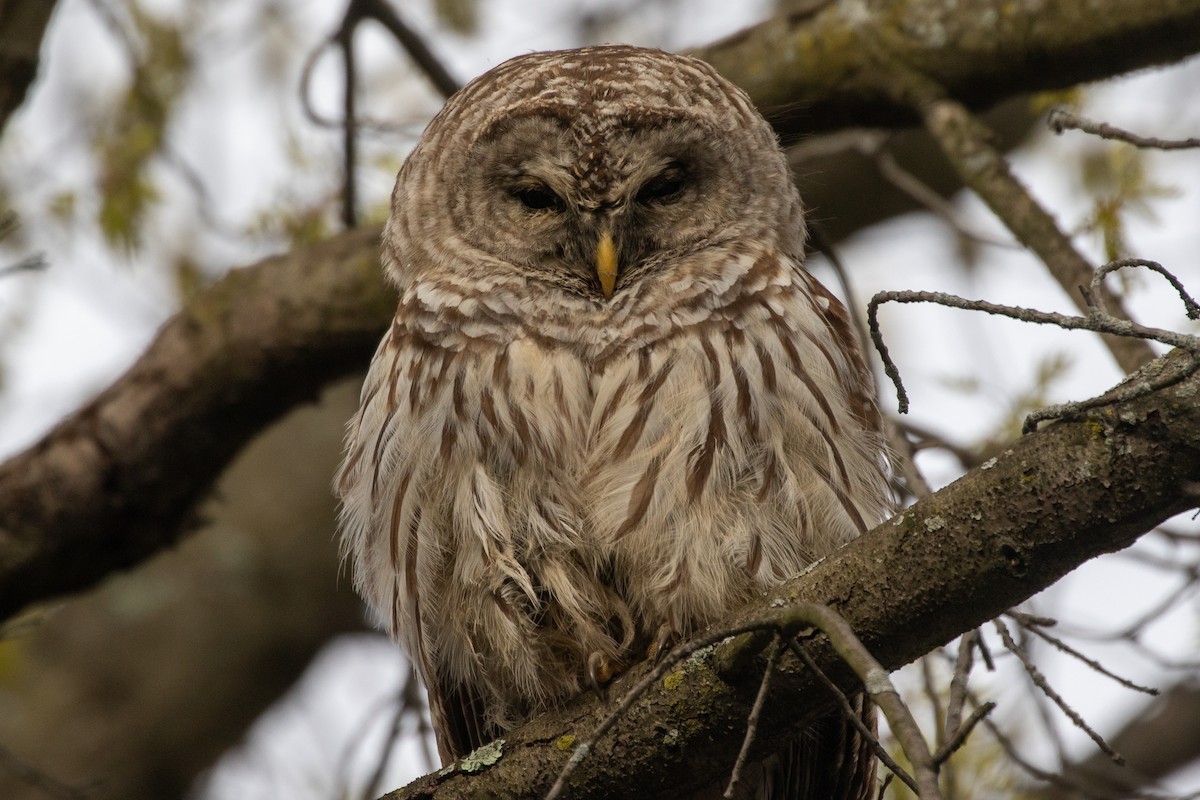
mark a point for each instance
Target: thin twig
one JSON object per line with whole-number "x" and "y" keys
{"x": 1060, "y": 120}
{"x": 905, "y": 455}
{"x": 912, "y": 186}
{"x": 371, "y": 788}
{"x": 849, "y": 713}
{"x": 413, "y": 700}
{"x": 1039, "y": 680}
{"x": 884, "y": 784}
{"x": 929, "y": 684}
{"x": 345, "y": 42}
{"x": 413, "y": 44}
{"x": 927, "y": 440}
{"x": 966, "y": 143}
{"x": 1036, "y": 629}
{"x": 1097, "y": 320}
{"x": 752, "y": 720}
{"x": 959, "y": 737}
{"x": 680, "y": 652}
{"x": 958, "y": 683}
{"x": 1043, "y": 707}
{"x": 877, "y": 683}
{"x": 826, "y": 248}
{"x": 30, "y": 263}
{"x": 984, "y": 651}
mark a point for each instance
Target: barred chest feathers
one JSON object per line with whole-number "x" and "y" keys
{"x": 544, "y": 495}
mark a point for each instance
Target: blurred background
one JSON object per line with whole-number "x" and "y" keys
{"x": 165, "y": 142}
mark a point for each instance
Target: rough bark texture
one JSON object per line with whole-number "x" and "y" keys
{"x": 115, "y": 481}
{"x": 828, "y": 69}
{"x": 130, "y": 690}
{"x": 956, "y": 559}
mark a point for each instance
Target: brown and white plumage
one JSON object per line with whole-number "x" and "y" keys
{"x": 548, "y": 468}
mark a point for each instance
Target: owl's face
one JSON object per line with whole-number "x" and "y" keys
{"x": 592, "y": 172}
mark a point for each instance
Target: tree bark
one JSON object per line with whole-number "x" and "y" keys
{"x": 132, "y": 689}
{"x": 999, "y": 534}
{"x": 830, "y": 68}
{"x": 115, "y": 482}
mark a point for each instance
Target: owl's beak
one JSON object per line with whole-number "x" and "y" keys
{"x": 606, "y": 263}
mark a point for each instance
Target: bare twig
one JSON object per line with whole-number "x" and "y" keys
{"x": 965, "y": 141}
{"x": 926, "y": 439}
{"x": 31, "y": 263}
{"x": 932, "y": 695}
{"x": 1060, "y": 120}
{"x": 905, "y": 456}
{"x": 1035, "y": 626}
{"x": 345, "y": 42}
{"x": 1039, "y": 680}
{"x": 1097, "y": 320}
{"x": 958, "y": 683}
{"x": 959, "y": 736}
{"x": 371, "y": 788}
{"x": 786, "y": 623}
{"x": 752, "y": 720}
{"x": 1095, "y": 296}
{"x": 1043, "y": 702}
{"x": 984, "y": 651}
{"x": 825, "y": 247}
{"x": 878, "y": 685}
{"x": 912, "y": 186}
{"x": 682, "y": 651}
{"x": 849, "y": 713}
{"x": 414, "y": 45}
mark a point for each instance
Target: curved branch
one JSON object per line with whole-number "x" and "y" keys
{"x": 959, "y": 557}
{"x": 117, "y": 480}
{"x": 822, "y": 71}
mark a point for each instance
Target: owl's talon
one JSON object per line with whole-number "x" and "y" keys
{"x": 664, "y": 641}
{"x": 601, "y": 670}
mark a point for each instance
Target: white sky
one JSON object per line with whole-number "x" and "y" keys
{"x": 90, "y": 315}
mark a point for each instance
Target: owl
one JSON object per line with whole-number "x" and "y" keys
{"x": 612, "y": 405}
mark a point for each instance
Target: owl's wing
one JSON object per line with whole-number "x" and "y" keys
{"x": 829, "y": 761}
{"x": 459, "y": 721}
{"x": 407, "y": 419}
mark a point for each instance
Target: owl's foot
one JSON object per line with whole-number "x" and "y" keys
{"x": 664, "y": 642}
{"x": 601, "y": 670}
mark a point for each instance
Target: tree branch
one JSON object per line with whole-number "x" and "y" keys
{"x": 1006, "y": 530}
{"x": 116, "y": 481}
{"x": 821, "y": 71}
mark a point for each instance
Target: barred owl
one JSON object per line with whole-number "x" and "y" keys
{"x": 612, "y": 404}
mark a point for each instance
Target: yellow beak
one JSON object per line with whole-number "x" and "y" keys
{"x": 606, "y": 263}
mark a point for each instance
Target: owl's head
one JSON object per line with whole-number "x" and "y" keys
{"x": 591, "y": 170}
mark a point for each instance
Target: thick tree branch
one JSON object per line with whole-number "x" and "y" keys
{"x": 115, "y": 481}
{"x": 1056, "y": 498}
{"x": 821, "y": 71}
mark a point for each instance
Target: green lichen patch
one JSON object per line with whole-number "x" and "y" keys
{"x": 481, "y": 758}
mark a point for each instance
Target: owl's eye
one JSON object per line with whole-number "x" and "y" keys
{"x": 538, "y": 197}
{"x": 665, "y": 186}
